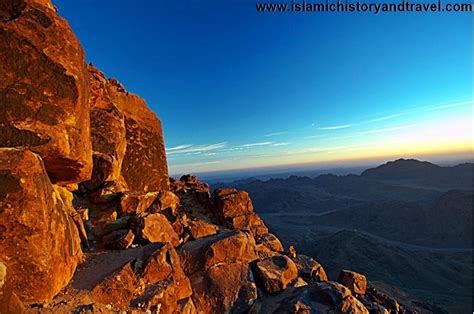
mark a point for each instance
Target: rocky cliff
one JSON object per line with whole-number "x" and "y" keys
{"x": 90, "y": 221}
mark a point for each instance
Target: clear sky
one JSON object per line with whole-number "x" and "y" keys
{"x": 237, "y": 89}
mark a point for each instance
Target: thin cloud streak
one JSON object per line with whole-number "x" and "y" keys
{"x": 275, "y": 134}
{"x": 336, "y": 127}
{"x": 197, "y": 148}
{"x": 281, "y": 144}
{"x": 456, "y": 104}
{"x": 388, "y": 117}
{"x": 384, "y": 130}
{"x": 170, "y": 149}
{"x": 257, "y": 144}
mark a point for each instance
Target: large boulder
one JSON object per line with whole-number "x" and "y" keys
{"x": 155, "y": 228}
{"x": 44, "y": 90}
{"x": 131, "y": 124}
{"x": 224, "y": 247}
{"x": 275, "y": 273}
{"x": 39, "y": 242}
{"x": 356, "y": 282}
{"x": 309, "y": 269}
{"x": 218, "y": 267}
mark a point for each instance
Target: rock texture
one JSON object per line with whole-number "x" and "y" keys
{"x": 38, "y": 238}
{"x": 44, "y": 90}
{"x": 150, "y": 243}
{"x": 127, "y": 138}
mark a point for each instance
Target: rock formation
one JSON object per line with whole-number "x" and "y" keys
{"x": 90, "y": 220}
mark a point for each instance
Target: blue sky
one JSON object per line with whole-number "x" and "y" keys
{"x": 237, "y": 89}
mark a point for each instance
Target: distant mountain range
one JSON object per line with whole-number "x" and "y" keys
{"x": 411, "y": 172}
{"x": 406, "y": 222}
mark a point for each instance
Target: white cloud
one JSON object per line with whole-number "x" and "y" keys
{"x": 186, "y": 149}
{"x": 388, "y": 117}
{"x": 456, "y": 104}
{"x": 275, "y": 134}
{"x": 336, "y": 127}
{"x": 281, "y": 144}
{"x": 257, "y": 144}
{"x": 387, "y": 129}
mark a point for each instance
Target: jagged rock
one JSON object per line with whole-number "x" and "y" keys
{"x": 118, "y": 289}
{"x": 353, "y": 306}
{"x": 108, "y": 133}
{"x": 107, "y": 193}
{"x": 44, "y": 89}
{"x": 168, "y": 201}
{"x": 309, "y": 269}
{"x": 224, "y": 247}
{"x": 270, "y": 241}
{"x": 156, "y": 228}
{"x": 111, "y": 226}
{"x": 331, "y": 293}
{"x": 167, "y": 288}
{"x": 276, "y": 273}
{"x": 144, "y": 167}
{"x": 136, "y": 203}
{"x": 224, "y": 287}
{"x": 118, "y": 240}
{"x": 230, "y": 203}
{"x": 101, "y": 215}
{"x": 200, "y": 229}
{"x": 356, "y": 282}
{"x": 186, "y": 306}
{"x": 38, "y": 238}
{"x": 156, "y": 267}
{"x": 374, "y": 296}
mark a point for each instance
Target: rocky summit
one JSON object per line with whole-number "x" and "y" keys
{"x": 91, "y": 222}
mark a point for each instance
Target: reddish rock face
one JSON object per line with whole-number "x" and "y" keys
{"x": 127, "y": 138}
{"x": 225, "y": 288}
{"x": 276, "y": 272}
{"x": 118, "y": 240}
{"x": 200, "y": 229}
{"x": 356, "y": 282}
{"x": 38, "y": 238}
{"x": 231, "y": 203}
{"x": 309, "y": 269}
{"x": 44, "y": 89}
{"x": 118, "y": 289}
{"x": 156, "y": 228}
{"x": 136, "y": 203}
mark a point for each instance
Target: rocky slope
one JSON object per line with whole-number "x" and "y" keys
{"x": 90, "y": 220}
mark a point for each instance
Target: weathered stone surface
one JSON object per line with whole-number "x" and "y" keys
{"x": 167, "y": 200}
{"x": 309, "y": 269}
{"x": 351, "y": 305}
{"x": 156, "y": 228}
{"x": 330, "y": 292}
{"x": 166, "y": 284}
{"x": 44, "y": 89}
{"x": 136, "y": 203}
{"x": 118, "y": 240}
{"x": 224, "y": 287}
{"x": 270, "y": 241}
{"x": 108, "y": 132}
{"x": 118, "y": 289}
{"x": 38, "y": 239}
{"x": 224, "y": 247}
{"x": 356, "y": 282}
{"x": 232, "y": 203}
{"x": 200, "y": 229}
{"x": 143, "y": 167}
{"x": 276, "y": 273}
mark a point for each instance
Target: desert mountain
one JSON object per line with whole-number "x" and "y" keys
{"x": 384, "y": 223}
{"x": 423, "y": 174}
